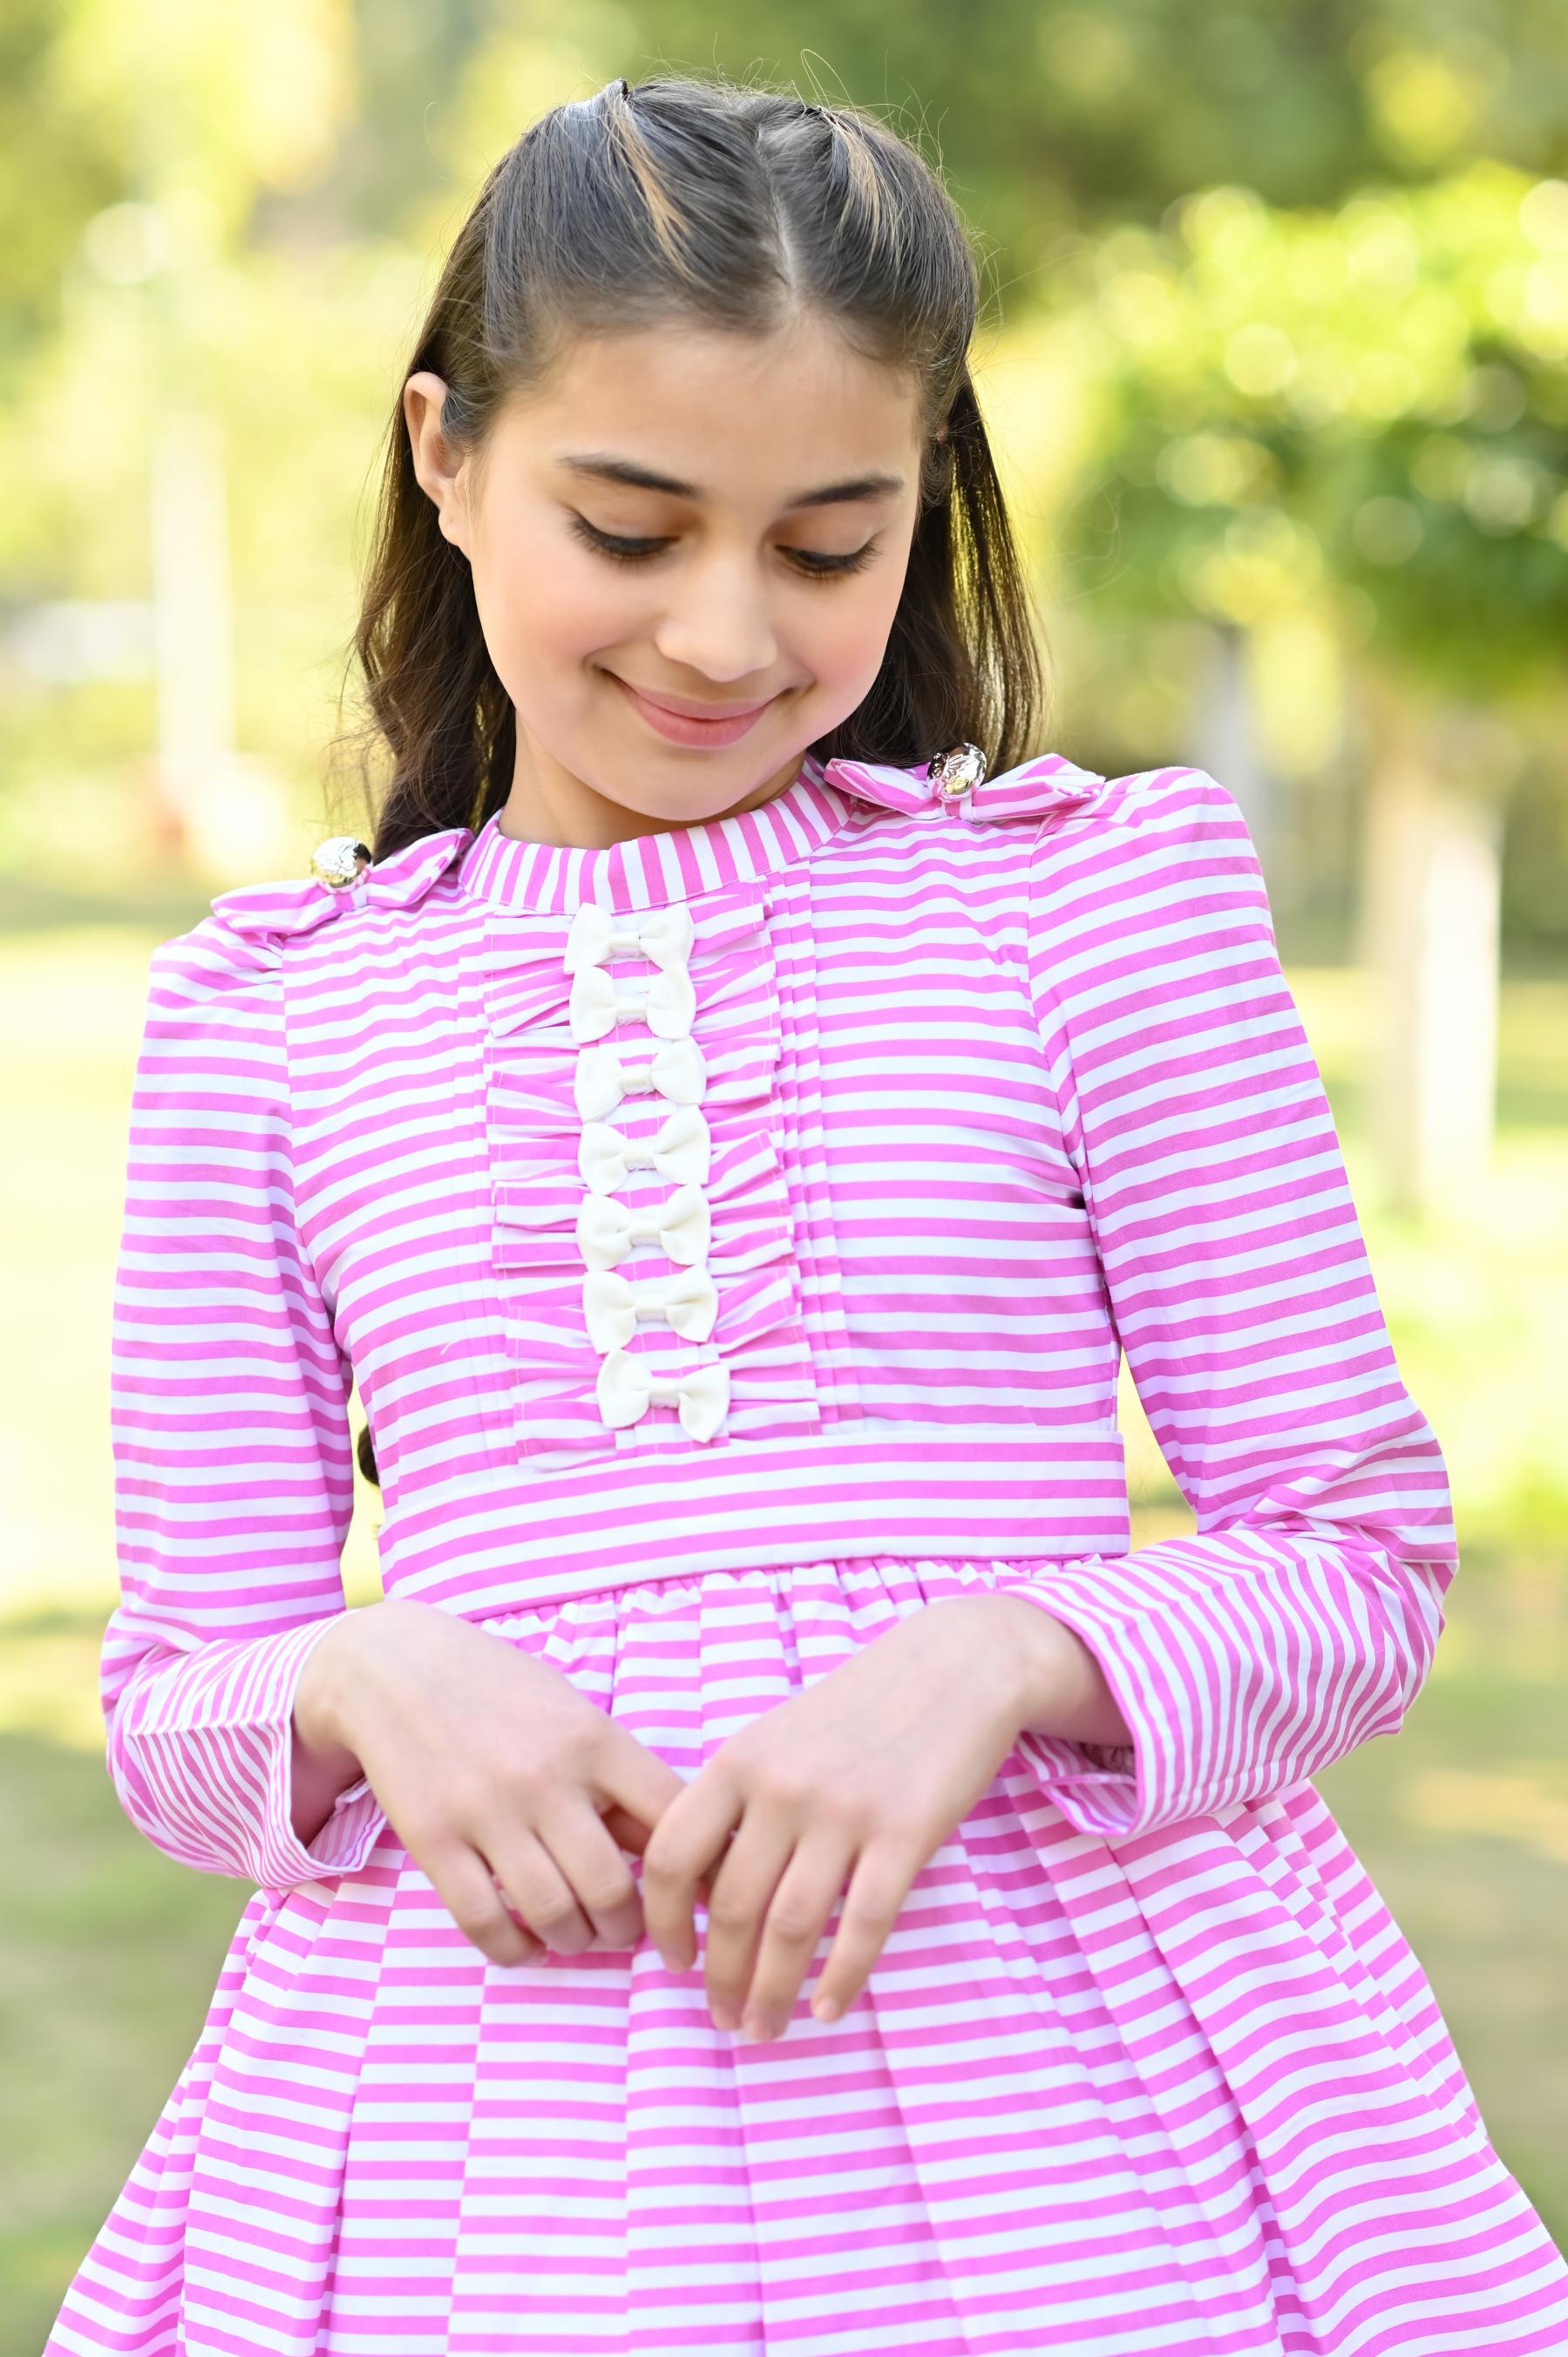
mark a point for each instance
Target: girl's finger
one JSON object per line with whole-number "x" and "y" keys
{"x": 791, "y": 1931}
{"x": 683, "y": 1852}
{"x": 540, "y": 1891}
{"x": 579, "y": 1843}
{"x": 625, "y": 1831}
{"x": 742, "y": 1893}
{"x": 634, "y": 1785}
{"x": 877, "y": 1889}
{"x": 466, "y": 1888}
{"x": 628, "y": 1833}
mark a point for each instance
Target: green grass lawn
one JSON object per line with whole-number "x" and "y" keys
{"x": 106, "y": 1968}
{"x": 108, "y": 1952}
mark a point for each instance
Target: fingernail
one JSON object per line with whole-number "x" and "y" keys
{"x": 726, "y": 2016}
{"x": 757, "y": 2026}
{"x": 826, "y": 2008}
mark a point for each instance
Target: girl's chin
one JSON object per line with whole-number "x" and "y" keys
{"x": 696, "y": 786}
{"x": 694, "y": 791}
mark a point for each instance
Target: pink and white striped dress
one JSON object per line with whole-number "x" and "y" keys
{"x": 733, "y": 1232}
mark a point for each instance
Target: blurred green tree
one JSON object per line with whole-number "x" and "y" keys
{"x": 1354, "y": 424}
{"x": 238, "y": 212}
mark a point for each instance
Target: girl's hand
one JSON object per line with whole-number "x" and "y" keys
{"x": 512, "y": 1792}
{"x": 863, "y": 1775}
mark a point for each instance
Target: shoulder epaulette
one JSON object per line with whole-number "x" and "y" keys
{"x": 956, "y": 782}
{"x": 343, "y": 876}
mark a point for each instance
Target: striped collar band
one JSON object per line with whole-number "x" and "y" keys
{"x": 647, "y": 871}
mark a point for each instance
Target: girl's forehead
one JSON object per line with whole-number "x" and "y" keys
{"x": 717, "y": 391}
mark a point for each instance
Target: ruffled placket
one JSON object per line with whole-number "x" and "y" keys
{"x": 611, "y": 1229}
{"x": 643, "y": 1240}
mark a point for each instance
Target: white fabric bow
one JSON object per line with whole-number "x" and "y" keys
{"x": 626, "y": 1391}
{"x": 608, "y": 1231}
{"x": 676, "y": 1070}
{"x": 667, "y": 1004}
{"x": 665, "y": 936}
{"x": 688, "y": 1302}
{"x": 681, "y": 1152}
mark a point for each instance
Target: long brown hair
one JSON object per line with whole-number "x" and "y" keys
{"x": 736, "y": 207}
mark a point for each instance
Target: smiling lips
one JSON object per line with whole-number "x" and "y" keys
{"x": 684, "y": 722}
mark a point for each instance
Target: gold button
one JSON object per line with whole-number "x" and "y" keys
{"x": 339, "y": 861}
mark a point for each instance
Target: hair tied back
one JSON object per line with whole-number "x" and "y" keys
{"x": 682, "y": 202}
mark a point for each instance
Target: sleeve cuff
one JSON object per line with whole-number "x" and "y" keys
{"x": 1103, "y": 1789}
{"x": 202, "y": 1756}
{"x": 344, "y": 1841}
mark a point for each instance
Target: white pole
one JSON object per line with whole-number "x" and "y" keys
{"x": 1430, "y": 946}
{"x": 192, "y": 622}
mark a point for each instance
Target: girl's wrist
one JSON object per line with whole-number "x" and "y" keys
{"x": 339, "y": 1671}
{"x": 1058, "y": 1686}
{"x": 325, "y": 1687}
{"x": 323, "y": 1764}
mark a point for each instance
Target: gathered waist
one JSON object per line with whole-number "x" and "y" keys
{"x": 512, "y": 1537}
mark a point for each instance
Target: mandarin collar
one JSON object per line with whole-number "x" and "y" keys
{"x": 650, "y": 871}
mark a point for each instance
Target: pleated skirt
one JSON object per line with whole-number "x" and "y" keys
{"x": 1188, "y": 2093}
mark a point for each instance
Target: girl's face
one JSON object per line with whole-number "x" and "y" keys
{"x": 687, "y": 550}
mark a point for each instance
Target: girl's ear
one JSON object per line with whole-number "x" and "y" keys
{"x": 440, "y": 469}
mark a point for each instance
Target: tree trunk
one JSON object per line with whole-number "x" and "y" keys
{"x": 1429, "y": 946}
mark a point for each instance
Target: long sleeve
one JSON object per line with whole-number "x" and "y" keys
{"x": 1303, "y": 1616}
{"x": 232, "y": 1444}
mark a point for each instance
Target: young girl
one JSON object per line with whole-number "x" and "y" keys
{"x": 775, "y": 1872}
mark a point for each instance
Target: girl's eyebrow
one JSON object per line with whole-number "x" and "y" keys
{"x": 643, "y": 478}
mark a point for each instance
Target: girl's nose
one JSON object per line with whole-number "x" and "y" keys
{"x": 718, "y": 623}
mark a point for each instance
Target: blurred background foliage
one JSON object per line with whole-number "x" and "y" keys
{"x": 1276, "y": 357}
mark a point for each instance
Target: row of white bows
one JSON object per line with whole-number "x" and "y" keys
{"x": 686, "y": 1301}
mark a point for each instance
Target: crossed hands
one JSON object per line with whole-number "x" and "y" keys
{"x": 519, "y": 1798}
{"x": 858, "y": 1779}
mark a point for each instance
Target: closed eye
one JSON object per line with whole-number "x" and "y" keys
{"x": 623, "y": 549}
{"x": 610, "y": 543}
{"x": 813, "y": 560}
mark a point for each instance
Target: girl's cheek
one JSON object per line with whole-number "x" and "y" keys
{"x": 851, "y": 642}
{"x": 585, "y": 607}
{"x": 560, "y": 616}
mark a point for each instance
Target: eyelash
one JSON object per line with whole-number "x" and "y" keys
{"x": 633, "y": 551}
